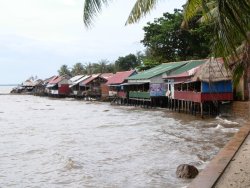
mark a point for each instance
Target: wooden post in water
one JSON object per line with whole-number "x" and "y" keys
{"x": 179, "y": 109}
{"x": 194, "y": 109}
{"x": 201, "y": 107}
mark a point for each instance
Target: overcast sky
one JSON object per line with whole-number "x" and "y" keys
{"x": 38, "y": 36}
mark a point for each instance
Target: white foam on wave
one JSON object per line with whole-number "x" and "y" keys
{"x": 219, "y": 127}
{"x": 225, "y": 121}
{"x": 230, "y": 130}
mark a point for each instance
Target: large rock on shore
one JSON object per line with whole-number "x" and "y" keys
{"x": 186, "y": 171}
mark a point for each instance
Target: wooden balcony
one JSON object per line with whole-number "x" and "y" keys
{"x": 202, "y": 97}
{"x": 139, "y": 95}
{"x": 122, "y": 94}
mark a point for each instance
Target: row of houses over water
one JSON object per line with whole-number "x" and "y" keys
{"x": 195, "y": 86}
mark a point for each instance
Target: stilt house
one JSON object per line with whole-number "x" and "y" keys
{"x": 149, "y": 85}
{"x": 59, "y": 86}
{"x": 92, "y": 86}
{"x": 76, "y": 89}
{"x": 115, "y": 83}
{"x": 201, "y": 87}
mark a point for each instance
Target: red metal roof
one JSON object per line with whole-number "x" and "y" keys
{"x": 107, "y": 75}
{"x": 119, "y": 77}
{"x": 56, "y": 80}
{"x": 47, "y": 80}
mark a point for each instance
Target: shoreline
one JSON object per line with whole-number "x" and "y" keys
{"x": 218, "y": 171}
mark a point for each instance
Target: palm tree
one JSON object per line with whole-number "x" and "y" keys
{"x": 78, "y": 69}
{"x": 231, "y": 20}
{"x": 64, "y": 70}
{"x": 93, "y": 7}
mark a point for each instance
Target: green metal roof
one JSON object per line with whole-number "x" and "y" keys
{"x": 190, "y": 65}
{"x": 158, "y": 70}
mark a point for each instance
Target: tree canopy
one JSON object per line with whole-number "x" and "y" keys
{"x": 127, "y": 62}
{"x": 230, "y": 19}
{"x": 167, "y": 42}
{"x": 123, "y": 63}
{"x": 64, "y": 70}
{"x": 78, "y": 69}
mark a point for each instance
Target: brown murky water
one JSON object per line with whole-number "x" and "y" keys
{"x": 67, "y": 143}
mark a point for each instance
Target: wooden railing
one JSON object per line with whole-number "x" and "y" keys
{"x": 139, "y": 95}
{"x": 202, "y": 97}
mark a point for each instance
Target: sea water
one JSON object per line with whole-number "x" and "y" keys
{"x": 47, "y": 142}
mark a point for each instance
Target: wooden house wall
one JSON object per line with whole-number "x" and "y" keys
{"x": 64, "y": 89}
{"x": 94, "y": 87}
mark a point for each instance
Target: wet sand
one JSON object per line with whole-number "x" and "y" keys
{"x": 237, "y": 174}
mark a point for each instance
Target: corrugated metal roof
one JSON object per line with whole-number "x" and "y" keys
{"x": 189, "y": 66}
{"x": 120, "y": 77}
{"x": 75, "y": 78}
{"x": 158, "y": 70}
{"x": 80, "y": 80}
{"x": 56, "y": 80}
{"x": 47, "y": 80}
{"x": 107, "y": 75}
{"x": 187, "y": 70}
{"x": 88, "y": 80}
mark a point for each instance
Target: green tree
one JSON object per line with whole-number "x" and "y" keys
{"x": 230, "y": 18}
{"x": 147, "y": 60}
{"x": 168, "y": 42}
{"x": 100, "y": 67}
{"x": 64, "y": 70}
{"x": 89, "y": 68}
{"x": 231, "y": 36}
{"x": 111, "y": 68}
{"x": 127, "y": 62}
{"x": 78, "y": 69}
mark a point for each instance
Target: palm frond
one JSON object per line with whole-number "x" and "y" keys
{"x": 210, "y": 16}
{"x": 231, "y": 26}
{"x": 91, "y": 9}
{"x": 140, "y": 9}
{"x": 191, "y": 9}
{"x": 237, "y": 74}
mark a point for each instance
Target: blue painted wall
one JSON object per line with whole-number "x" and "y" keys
{"x": 217, "y": 87}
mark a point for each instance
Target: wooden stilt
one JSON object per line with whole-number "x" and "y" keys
{"x": 201, "y": 107}
{"x": 194, "y": 109}
{"x": 179, "y": 102}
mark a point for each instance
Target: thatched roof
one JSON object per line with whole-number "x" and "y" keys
{"x": 32, "y": 83}
{"x": 213, "y": 70}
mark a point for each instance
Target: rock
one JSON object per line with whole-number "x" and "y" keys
{"x": 186, "y": 171}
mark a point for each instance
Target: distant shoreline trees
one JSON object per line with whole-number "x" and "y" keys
{"x": 123, "y": 63}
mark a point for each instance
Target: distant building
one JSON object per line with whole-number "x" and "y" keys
{"x": 59, "y": 86}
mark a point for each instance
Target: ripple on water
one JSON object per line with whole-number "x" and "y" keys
{"x": 58, "y": 142}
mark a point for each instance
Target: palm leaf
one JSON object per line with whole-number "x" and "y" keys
{"x": 91, "y": 9}
{"x": 140, "y": 9}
